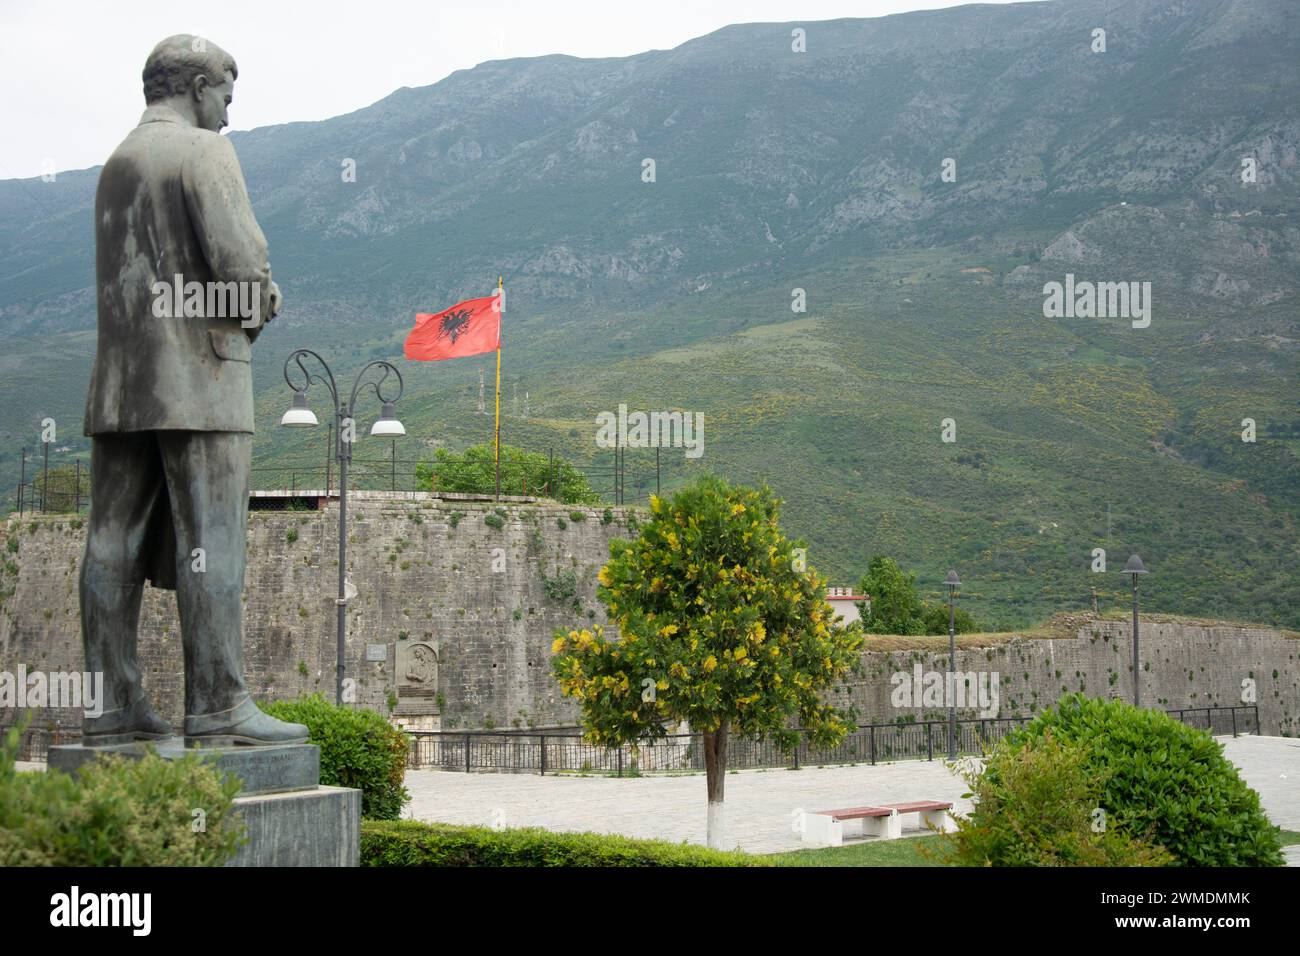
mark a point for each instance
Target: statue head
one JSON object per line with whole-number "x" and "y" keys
{"x": 193, "y": 76}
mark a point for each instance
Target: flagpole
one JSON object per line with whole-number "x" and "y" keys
{"x": 500, "y": 319}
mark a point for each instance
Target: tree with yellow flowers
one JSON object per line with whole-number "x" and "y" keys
{"x": 720, "y": 623}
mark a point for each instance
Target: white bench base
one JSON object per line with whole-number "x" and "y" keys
{"x": 820, "y": 829}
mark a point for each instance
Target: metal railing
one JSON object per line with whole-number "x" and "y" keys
{"x": 1237, "y": 719}
{"x": 404, "y": 474}
{"x": 64, "y": 487}
{"x": 516, "y": 751}
{"x": 542, "y": 753}
{"x": 684, "y": 753}
{"x": 400, "y": 474}
{"x": 61, "y": 489}
{"x": 34, "y": 743}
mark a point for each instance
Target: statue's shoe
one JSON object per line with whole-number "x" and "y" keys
{"x": 244, "y": 724}
{"x": 124, "y": 725}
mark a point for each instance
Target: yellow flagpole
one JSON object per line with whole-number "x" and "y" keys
{"x": 500, "y": 319}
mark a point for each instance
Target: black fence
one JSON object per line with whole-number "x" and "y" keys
{"x": 608, "y": 479}
{"x": 1239, "y": 719}
{"x": 513, "y": 751}
{"x": 64, "y": 487}
{"x": 405, "y": 474}
{"x": 60, "y": 488}
{"x": 517, "y": 751}
{"x": 684, "y": 753}
{"x": 34, "y": 743}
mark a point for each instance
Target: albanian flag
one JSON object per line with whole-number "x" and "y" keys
{"x": 471, "y": 327}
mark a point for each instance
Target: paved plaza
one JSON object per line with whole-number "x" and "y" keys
{"x": 760, "y": 803}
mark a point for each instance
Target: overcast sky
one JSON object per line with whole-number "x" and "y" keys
{"x": 70, "y": 69}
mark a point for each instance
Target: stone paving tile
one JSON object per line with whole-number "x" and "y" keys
{"x": 759, "y": 802}
{"x": 1271, "y": 765}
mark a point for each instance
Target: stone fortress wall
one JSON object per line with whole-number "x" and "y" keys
{"x": 451, "y": 626}
{"x": 458, "y": 603}
{"x": 1184, "y": 664}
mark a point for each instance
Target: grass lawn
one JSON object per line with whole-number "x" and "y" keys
{"x": 905, "y": 852}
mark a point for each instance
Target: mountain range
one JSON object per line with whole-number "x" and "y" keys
{"x": 913, "y": 182}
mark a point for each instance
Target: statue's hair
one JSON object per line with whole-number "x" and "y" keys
{"x": 175, "y": 62}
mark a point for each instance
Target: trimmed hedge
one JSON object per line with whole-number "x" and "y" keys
{"x": 117, "y": 812}
{"x": 414, "y": 843}
{"x": 358, "y": 748}
{"x": 1163, "y": 781}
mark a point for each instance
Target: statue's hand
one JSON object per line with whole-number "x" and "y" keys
{"x": 277, "y": 301}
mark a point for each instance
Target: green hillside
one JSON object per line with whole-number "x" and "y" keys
{"x": 778, "y": 171}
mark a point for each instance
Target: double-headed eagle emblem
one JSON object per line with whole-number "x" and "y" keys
{"x": 454, "y": 323}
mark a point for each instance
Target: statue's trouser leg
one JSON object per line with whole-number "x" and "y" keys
{"x": 126, "y": 477}
{"x": 207, "y": 481}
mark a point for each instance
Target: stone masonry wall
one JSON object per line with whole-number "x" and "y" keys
{"x": 1184, "y": 665}
{"x": 461, "y": 632}
{"x": 426, "y": 571}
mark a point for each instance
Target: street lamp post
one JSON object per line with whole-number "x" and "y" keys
{"x": 300, "y": 416}
{"x": 1134, "y": 568}
{"x": 952, "y": 584}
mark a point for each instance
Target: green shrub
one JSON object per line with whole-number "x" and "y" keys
{"x": 358, "y": 748}
{"x": 1036, "y": 806}
{"x": 562, "y": 587}
{"x": 413, "y": 843}
{"x": 453, "y": 519}
{"x": 117, "y": 812}
{"x": 1165, "y": 779}
{"x": 606, "y": 516}
{"x": 577, "y": 516}
{"x": 494, "y": 521}
{"x": 291, "y": 535}
{"x": 474, "y": 471}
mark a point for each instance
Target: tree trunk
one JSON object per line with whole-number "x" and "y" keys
{"x": 715, "y": 769}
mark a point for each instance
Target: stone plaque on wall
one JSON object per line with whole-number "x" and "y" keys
{"x": 417, "y": 679}
{"x": 417, "y": 665}
{"x": 376, "y": 652}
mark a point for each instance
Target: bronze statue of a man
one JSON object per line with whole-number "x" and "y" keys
{"x": 170, "y": 409}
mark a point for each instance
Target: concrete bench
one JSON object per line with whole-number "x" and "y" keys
{"x": 827, "y": 827}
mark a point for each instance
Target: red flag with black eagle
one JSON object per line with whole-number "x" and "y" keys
{"x": 471, "y": 327}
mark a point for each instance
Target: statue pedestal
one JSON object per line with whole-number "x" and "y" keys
{"x": 292, "y": 820}
{"x": 317, "y": 827}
